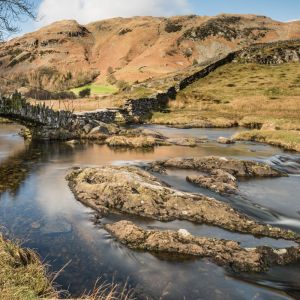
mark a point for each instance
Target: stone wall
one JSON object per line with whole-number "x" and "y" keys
{"x": 34, "y": 115}
{"x": 102, "y": 115}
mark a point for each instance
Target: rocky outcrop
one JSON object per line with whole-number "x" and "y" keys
{"x": 133, "y": 191}
{"x": 227, "y": 27}
{"x": 220, "y": 173}
{"x": 223, "y": 252}
{"x": 271, "y": 53}
{"x": 208, "y": 164}
{"x": 218, "y": 180}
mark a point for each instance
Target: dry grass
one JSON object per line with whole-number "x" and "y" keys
{"x": 22, "y": 275}
{"x": 242, "y": 92}
{"x": 110, "y": 291}
{"x": 133, "y": 142}
{"x": 289, "y": 140}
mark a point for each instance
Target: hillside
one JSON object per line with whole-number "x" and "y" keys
{"x": 66, "y": 54}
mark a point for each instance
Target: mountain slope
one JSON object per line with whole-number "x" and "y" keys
{"x": 66, "y": 54}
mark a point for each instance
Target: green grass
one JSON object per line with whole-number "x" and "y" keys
{"x": 96, "y": 89}
{"x": 241, "y": 92}
{"x": 287, "y": 139}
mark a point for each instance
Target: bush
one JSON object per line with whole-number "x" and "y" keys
{"x": 40, "y": 94}
{"x": 85, "y": 93}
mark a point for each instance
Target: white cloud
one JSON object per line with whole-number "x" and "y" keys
{"x": 85, "y": 11}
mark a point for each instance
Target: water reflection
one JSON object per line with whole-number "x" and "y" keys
{"x": 43, "y": 212}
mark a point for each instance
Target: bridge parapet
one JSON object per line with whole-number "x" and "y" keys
{"x": 16, "y": 108}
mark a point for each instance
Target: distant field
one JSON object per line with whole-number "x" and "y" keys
{"x": 97, "y": 89}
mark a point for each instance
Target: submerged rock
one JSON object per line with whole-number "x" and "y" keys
{"x": 223, "y": 252}
{"x": 220, "y": 173}
{"x": 134, "y": 191}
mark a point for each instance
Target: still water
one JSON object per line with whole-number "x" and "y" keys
{"x": 37, "y": 207}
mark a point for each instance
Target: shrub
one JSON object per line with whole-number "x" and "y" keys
{"x": 85, "y": 93}
{"x": 40, "y": 94}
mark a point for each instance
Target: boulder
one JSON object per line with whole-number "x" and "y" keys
{"x": 225, "y": 141}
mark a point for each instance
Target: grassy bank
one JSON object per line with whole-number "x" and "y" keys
{"x": 245, "y": 93}
{"x": 22, "y": 275}
{"x": 289, "y": 140}
{"x": 4, "y": 121}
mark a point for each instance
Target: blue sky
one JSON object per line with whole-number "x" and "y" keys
{"x": 281, "y": 10}
{"x": 86, "y": 11}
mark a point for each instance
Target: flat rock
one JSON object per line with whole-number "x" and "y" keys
{"x": 223, "y": 252}
{"x": 208, "y": 164}
{"x": 134, "y": 191}
{"x": 217, "y": 173}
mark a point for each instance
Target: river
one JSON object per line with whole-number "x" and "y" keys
{"x": 38, "y": 208}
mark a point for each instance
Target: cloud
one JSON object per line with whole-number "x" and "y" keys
{"x": 85, "y": 11}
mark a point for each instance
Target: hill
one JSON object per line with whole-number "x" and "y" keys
{"x": 66, "y": 54}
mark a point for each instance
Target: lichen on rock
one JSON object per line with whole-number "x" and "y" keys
{"x": 220, "y": 173}
{"x": 134, "y": 191}
{"x": 223, "y": 252}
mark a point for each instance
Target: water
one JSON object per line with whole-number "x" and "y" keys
{"x": 38, "y": 208}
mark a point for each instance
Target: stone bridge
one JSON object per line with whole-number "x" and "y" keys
{"x": 45, "y": 123}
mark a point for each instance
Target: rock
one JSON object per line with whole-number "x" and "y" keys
{"x": 153, "y": 133}
{"x": 219, "y": 181}
{"x": 220, "y": 173}
{"x": 224, "y": 140}
{"x": 99, "y": 129}
{"x": 183, "y": 232}
{"x": 207, "y": 164}
{"x": 59, "y": 225}
{"x": 133, "y": 191}
{"x": 223, "y": 252}
{"x": 131, "y": 142}
{"x": 188, "y": 141}
{"x": 87, "y": 128}
{"x": 72, "y": 142}
{"x": 35, "y": 225}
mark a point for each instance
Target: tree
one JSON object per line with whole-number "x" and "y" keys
{"x": 85, "y": 93}
{"x": 12, "y": 12}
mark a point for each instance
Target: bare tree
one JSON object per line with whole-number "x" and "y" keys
{"x": 13, "y": 12}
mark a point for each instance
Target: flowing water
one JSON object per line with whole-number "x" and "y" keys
{"x": 38, "y": 208}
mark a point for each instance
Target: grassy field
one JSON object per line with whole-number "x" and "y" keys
{"x": 97, "y": 89}
{"x": 246, "y": 93}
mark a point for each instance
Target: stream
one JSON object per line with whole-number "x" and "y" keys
{"x": 38, "y": 208}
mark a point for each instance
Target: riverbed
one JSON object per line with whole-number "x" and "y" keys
{"x": 40, "y": 210}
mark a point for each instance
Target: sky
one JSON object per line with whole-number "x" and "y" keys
{"x": 85, "y": 11}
